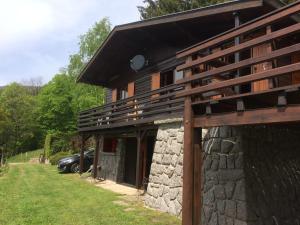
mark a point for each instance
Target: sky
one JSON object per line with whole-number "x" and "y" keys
{"x": 37, "y": 36}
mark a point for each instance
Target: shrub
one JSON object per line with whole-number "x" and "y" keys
{"x": 58, "y": 156}
{"x": 57, "y": 142}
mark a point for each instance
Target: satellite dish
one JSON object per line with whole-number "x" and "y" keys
{"x": 137, "y": 62}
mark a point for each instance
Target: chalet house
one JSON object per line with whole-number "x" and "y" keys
{"x": 201, "y": 112}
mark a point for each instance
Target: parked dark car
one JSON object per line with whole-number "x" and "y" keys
{"x": 71, "y": 163}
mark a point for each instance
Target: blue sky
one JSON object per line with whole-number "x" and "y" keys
{"x": 37, "y": 36}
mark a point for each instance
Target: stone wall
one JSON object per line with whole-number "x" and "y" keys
{"x": 251, "y": 176}
{"x": 164, "y": 190}
{"x": 112, "y": 164}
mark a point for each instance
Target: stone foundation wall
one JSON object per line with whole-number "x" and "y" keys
{"x": 164, "y": 190}
{"x": 112, "y": 164}
{"x": 251, "y": 176}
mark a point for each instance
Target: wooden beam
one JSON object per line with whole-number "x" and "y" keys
{"x": 188, "y": 165}
{"x": 244, "y": 63}
{"x": 253, "y": 117}
{"x": 242, "y": 80}
{"x": 197, "y": 176}
{"x": 82, "y": 147}
{"x": 138, "y": 154}
{"x": 245, "y": 45}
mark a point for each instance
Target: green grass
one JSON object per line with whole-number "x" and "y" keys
{"x": 3, "y": 170}
{"x": 38, "y": 194}
{"x": 25, "y": 157}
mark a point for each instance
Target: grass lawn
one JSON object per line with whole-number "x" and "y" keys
{"x": 38, "y": 194}
{"x": 25, "y": 157}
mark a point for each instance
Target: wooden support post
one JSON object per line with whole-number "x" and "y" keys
{"x": 188, "y": 165}
{"x": 81, "y": 165}
{"x": 99, "y": 141}
{"x": 197, "y": 175}
{"x": 138, "y": 153}
{"x": 237, "y": 23}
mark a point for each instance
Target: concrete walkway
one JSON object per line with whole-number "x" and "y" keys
{"x": 122, "y": 189}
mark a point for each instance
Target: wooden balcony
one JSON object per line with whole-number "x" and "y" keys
{"x": 137, "y": 110}
{"x": 258, "y": 78}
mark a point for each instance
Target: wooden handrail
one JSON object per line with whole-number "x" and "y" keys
{"x": 255, "y": 24}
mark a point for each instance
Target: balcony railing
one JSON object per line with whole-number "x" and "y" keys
{"x": 233, "y": 86}
{"x": 139, "y": 109}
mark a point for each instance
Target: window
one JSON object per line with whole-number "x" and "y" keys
{"x": 110, "y": 145}
{"x": 178, "y": 75}
{"x": 122, "y": 92}
{"x": 166, "y": 78}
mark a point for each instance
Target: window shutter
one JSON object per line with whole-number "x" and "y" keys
{"x": 114, "y": 95}
{"x": 155, "y": 84}
{"x": 130, "y": 89}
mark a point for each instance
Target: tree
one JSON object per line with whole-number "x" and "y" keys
{"x": 20, "y": 126}
{"x": 3, "y": 133}
{"x": 154, "y": 8}
{"x": 86, "y": 96}
{"x": 55, "y": 112}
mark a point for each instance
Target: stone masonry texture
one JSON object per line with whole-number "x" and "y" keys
{"x": 164, "y": 190}
{"x": 251, "y": 175}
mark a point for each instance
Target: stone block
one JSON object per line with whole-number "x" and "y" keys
{"x": 239, "y": 161}
{"x": 230, "y": 208}
{"x": 176, "y": 148}
{"x": 207, "y": 212}
{"x": 227, "y": 145}
{"x": 221, "y": 206}
{"x": 230, "y": 175}
{"x": 178, "y": 207}
{"x": 166, "y": 159}
{"x": 174, "y": 193}
{"x": 214, "y": 145}
{"x": 221, "y": 220}
{"x": 229, "y": 188}
{"x": 213, "y": 132}
{"x": 207, "y": 162}
{"x": 209, "y": 197}
{"x": 229, "y": 221}
{"x": 241, "y": 211}
{"x": 225, "y": 132}
{"x": 230, "y": 161}
{"x": 215, "y": 164}
{"x": 180, "y": 136}
{"x": 240, "y": 222}
{"x": 219, "y": 192}
{"x": 240, "y": 191}
{"x": 179, "y": 170}
{"x": 214, "y": 219}
{"x": 223, "y": 162}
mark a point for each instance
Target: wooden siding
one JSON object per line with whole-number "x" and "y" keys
{"x": 108, "y": 95}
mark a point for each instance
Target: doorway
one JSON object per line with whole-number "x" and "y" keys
{"x": 130, "y": 161}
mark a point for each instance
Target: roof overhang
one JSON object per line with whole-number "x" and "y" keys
{"x": 166, "y": 34}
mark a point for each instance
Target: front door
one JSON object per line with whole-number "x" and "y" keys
{"x": 130, "y": 161}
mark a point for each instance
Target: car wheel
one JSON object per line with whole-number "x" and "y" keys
{"x": 75, "y": 168}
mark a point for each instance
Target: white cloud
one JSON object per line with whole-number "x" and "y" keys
{"x": 39, "y": 35}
